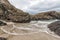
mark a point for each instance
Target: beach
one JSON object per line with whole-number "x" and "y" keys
{"x": 35, "y": 36}
{"x": 28, "y": 31}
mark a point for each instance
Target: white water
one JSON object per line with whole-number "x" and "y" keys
{"x": 32, "y": 27}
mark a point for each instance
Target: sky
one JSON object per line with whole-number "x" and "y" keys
{"x": 36, "y": 6}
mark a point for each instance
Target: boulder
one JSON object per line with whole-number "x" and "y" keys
{"x": 2, "y": 23}
{"x": 55, "y": 27}
{"x": 11, "y": 13}
{"x": 50, "y": 15}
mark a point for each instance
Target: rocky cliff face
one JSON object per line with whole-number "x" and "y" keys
{"x": 10, "y": 13}
{"x": 46, "y": 16}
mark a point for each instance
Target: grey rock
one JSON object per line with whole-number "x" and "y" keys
{"x": 55, "y": 27}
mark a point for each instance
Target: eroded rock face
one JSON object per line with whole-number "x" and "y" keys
{"x": 46, "y": 16}
{"x": 55, "y": 27}
{"x": 10, "y": 13}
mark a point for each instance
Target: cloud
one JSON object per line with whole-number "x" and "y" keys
{"x": 36, "y": 6}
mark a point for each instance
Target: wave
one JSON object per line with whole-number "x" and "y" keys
{"x": 28, "y": 28}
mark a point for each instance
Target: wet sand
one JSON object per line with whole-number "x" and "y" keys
{"x": 33, "y": 36}
{"x": 36, "y": 36}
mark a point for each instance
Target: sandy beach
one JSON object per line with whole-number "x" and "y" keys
{"x": 29, "y": 19}
{"x": 33, "y": 36}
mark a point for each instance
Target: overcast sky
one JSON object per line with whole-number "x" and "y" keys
{"x": 36, "y": 6}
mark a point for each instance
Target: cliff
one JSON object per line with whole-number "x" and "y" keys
{"x": 10, "y": 13}
{"x": 50, "y": 15}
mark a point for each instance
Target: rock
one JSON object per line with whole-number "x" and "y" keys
{"x": 21, "y": 18}
{"x": 1, "y": 38}
{"x": 11, "y": 13}
{"x": 58, "y": 31}
{"x": 50, "y": 15}
{"x": 1, "y": 11}
{"x": 55, "y": 27}
{"x": 2, "y": 23}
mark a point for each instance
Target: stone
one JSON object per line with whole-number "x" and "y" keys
{"x": 2, "y": 23}
{"x": 55, "y": 27}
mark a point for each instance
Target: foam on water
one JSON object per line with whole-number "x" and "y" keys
{"x": 33, "y": 27}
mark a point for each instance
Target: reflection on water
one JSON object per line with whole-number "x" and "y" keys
{"x": 28, "y": 28}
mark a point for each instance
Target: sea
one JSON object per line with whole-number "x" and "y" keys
{"x": 29, "y": 28}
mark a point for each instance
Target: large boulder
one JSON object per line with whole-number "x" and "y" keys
{"x": 11, "y": 13}
{"x": 50, "y": 15}
{"x": 55, "y": 27}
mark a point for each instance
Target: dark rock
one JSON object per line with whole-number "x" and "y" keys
{"x": 2, "y": 23}
{"x": 1, "y": 11}
{"x": 55, "y": 27}
{"x": 1, "y": 38}
{"x": 50, "y": 15}
{"x": 58, "y": 31}
{"x": 10, "y": 13}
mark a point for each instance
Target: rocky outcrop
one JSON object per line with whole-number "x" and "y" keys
{"x": 2, "y": 23}
{"x": 55, "y": 27}
{"x": 46, "y": 15}
{"x": 10, "y": 13}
